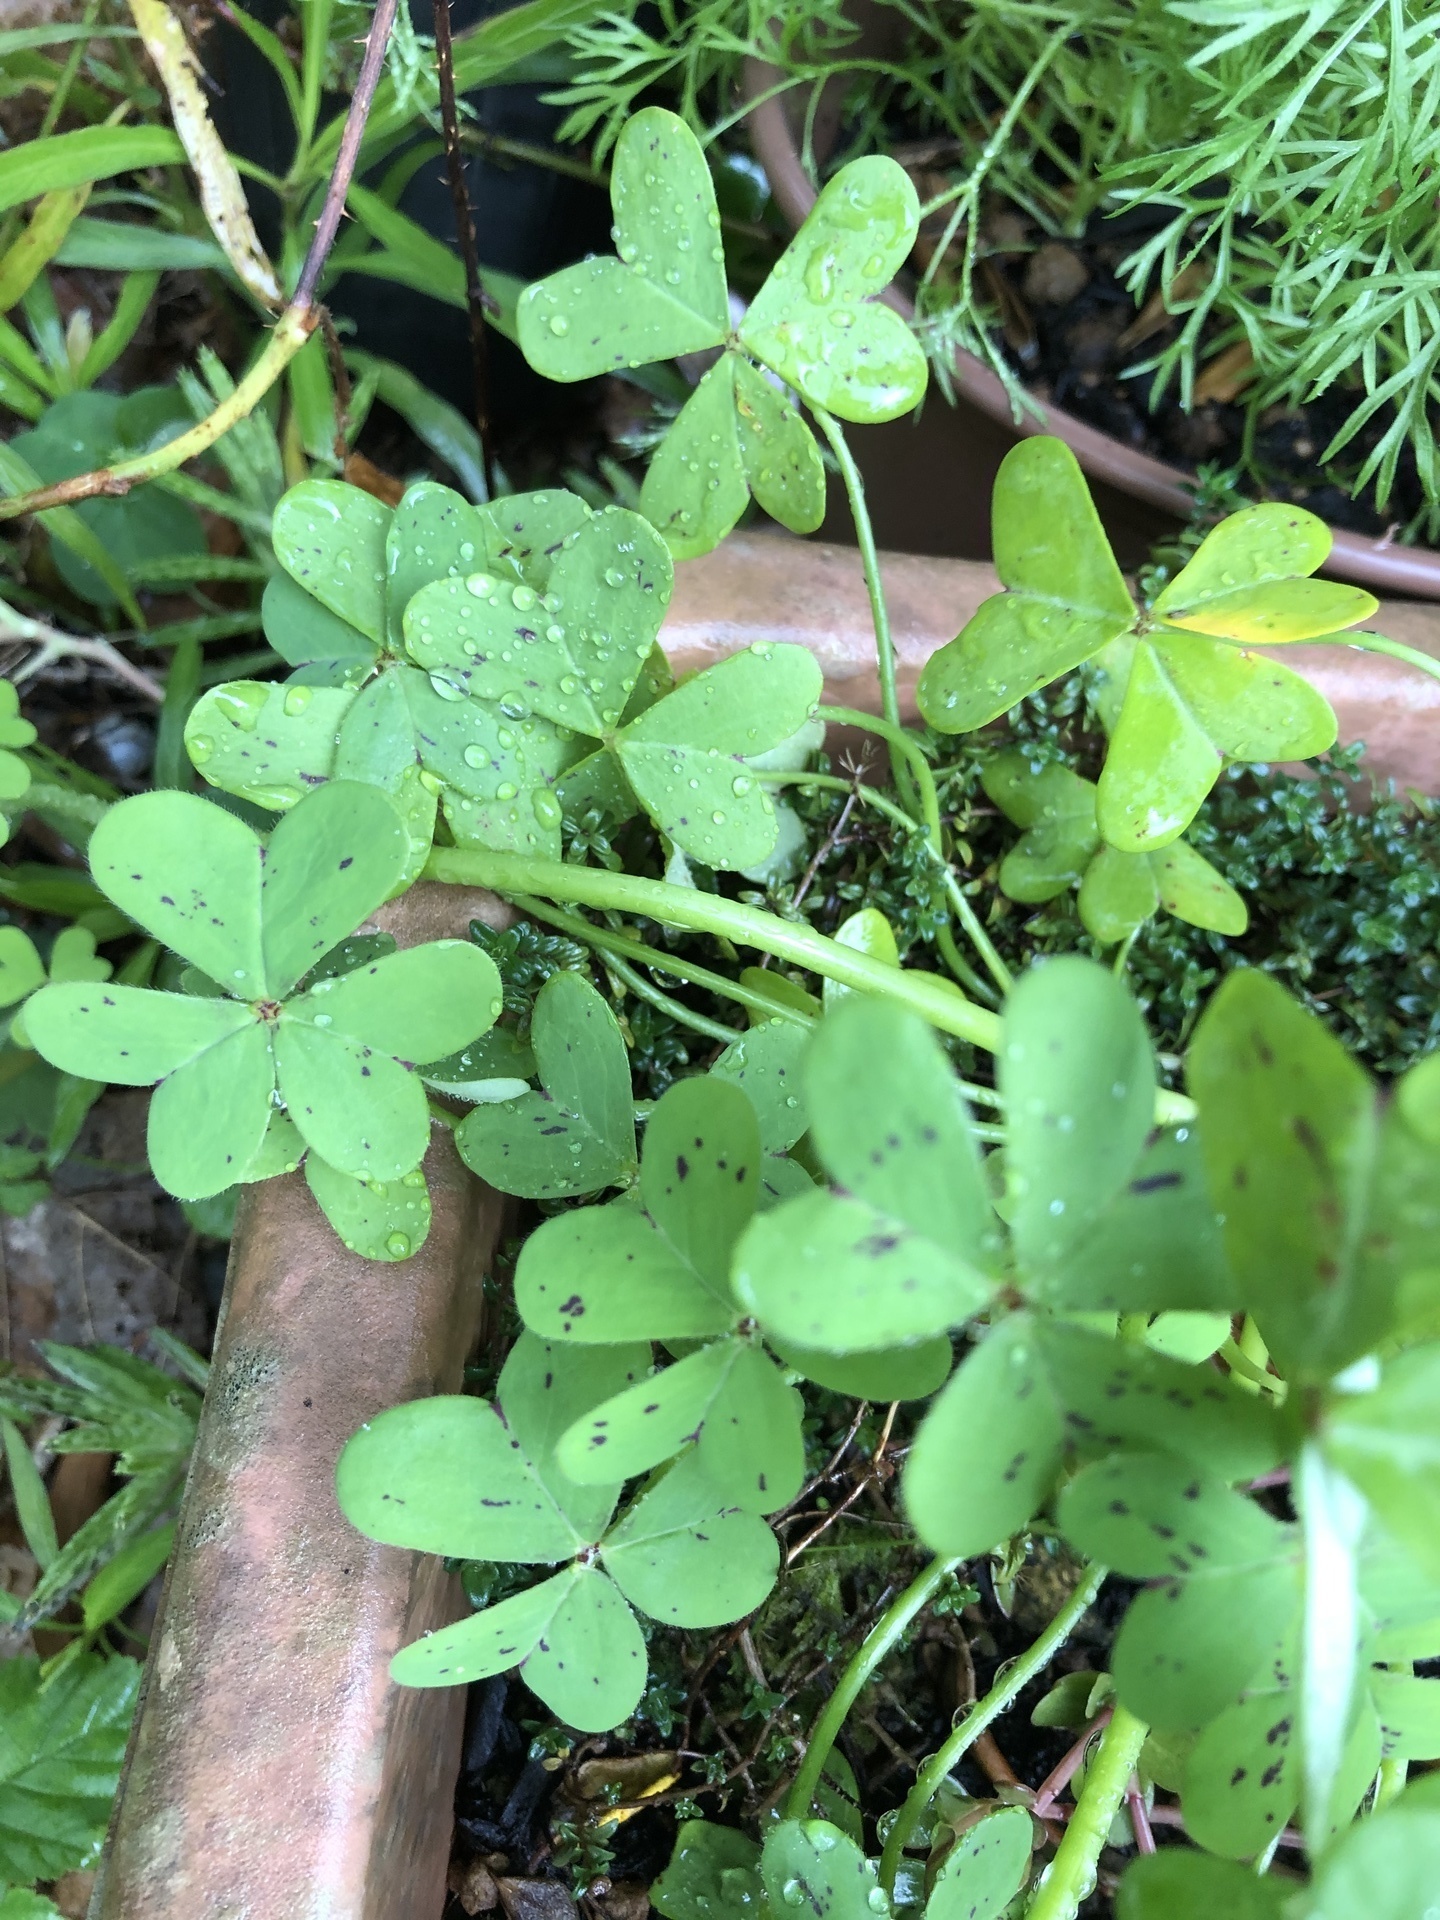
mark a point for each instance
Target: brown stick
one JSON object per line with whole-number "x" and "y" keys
{"x": 465, "y": 235}
{"x": 292, "y": 330}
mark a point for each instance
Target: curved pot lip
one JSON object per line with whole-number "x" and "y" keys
{"x": 1413, "y": 571}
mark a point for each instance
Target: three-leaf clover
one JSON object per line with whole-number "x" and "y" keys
{"x": 1187, "y": 693}
{"x": 1101, "y": 1218}
{"x": 575, "y": 661}
{"x": 357, "y": 707}
{"x": 815, "y": 324}
{"x": 255, "y": 918}
{"x": 1061, "y": 847}
{"x": 458, "y": 1476}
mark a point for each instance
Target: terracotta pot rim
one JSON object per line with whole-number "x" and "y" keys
{"x": 1412, "y": 571}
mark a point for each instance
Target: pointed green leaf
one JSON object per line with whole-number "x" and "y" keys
{"x": 1078, "y": 1078}
{"x": 64, "y": 1743}
{"x": 816, "y": 321}
{"x": 329, "y": 864}
{"x": 695, "y": 488}
{"x": 330, "y": 537}
{"x": 699, "y": 1173}
{"x": 987, "y": 1454}
{"x": 1191, "y": 703}
{"x": 683, "y": 1557}
{"x": 834, "y": 1273}
{"x": 890, "y": 1373}
{"x": 685, "y": 756}
{"x": 269, "y": 744}
{"x": 782, "y": 462}
{"x": 358, "y": 1109}
{"x": 660, "y": 298}
{"x": 1158, "y": 1245}
{"x": 128, "y": 1036}
{"x": 309, "y": 636}
{"x": 189, "y": 873}
{"x": 1067, "y": 596}
{"x": 574, "y": 657}
{"x": 447, "y": 1475}
{"x": 208, "y": 1117}
{"x": 421, "y": 1004}
{"x": 985, "y": 1869}
{"x": 892, "y": 1126}
{"x": 1118, "y": 894}
{"x": 380, "y": 1219}
{"x": 579, "y": 1134}
{"x": 1288, "y": 1126}
{"x": 824, "y": 1867}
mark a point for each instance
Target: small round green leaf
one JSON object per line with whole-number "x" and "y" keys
{"x": 603, "y": 1274}
{"x": 1057, "y": 810}
{"x": 1118, "y": 894}
{"x": 699, "y": 1173}
{"x": 1193, "y": 891}
{"x": 1078, "y": 1078}
{"x": 836, "y": 1274}
{"x": 189, "y": 873}
{"x": 310, "y": 637}
{"x": 329, "y": 864}
{"x": 816, "y": 321}
{"x": 380, "y": 1219}
{"x": 419, "y": 1005}
{"x": 208, "y": 1117}
{"x": 434, "y": 532}
{"x": 765, "y": 1062}
{"x": 21, "y": 968}
{"x": 782, "y": 462}
{"x": 128, "y": 1036}
{"x": 1242, "y": 1778}
{"x": 695, "y": 487}
{"x": 330, "y": 537}
{"x": 1386, "y": 1868}
{"x": 269, "y": 744}
{"x": 820, "y": 1864}
{"x": 987, "y": 1454}
{"x": 683, "y": 1557}
{"x": 985, "y": 1869}
{"x": 713, "y": 1870}
{"x": 358, "y": 1109}
{"x": 543, "y": 1390}
{"x": 446, "y": 1475}
{"x": 890, "y": 1373}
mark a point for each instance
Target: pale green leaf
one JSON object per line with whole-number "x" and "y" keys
{"x": 358, "y": 1109}
{"x": 381, "y": 1219}
{"x": 329, "y": 864}
{"x": 330, "y": 537}
{"x": 683, "y": 1556}
{"x": 781, "y": 460}
{"x": 128, "y": 1036}
{"x": 419, "y": 1005}
{"x": 208, "y": 1117}
{"x": 985, "y": 1869}
{"x": 269, "y": 744}
{"x": 830, "y": 1873}
{"x": 695, "y": 487}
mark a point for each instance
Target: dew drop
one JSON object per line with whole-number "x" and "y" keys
{"x": 476, "y": 757}
{"x": 201, "y": 748}
{"x": 297, "y": 700}
{"x": 614, "y": 577}
{"x": 506, "y": 790}
{"x": 481, "y": 585}
{"x": 547, "y": 808}
{"x": 740, "y": 786}
{"x": 559, "y": 324}
{"x": 523, "y": 597}
{"x": 397, "y": 1245}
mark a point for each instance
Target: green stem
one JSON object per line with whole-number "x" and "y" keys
{"x": 1396, "y": 649}
{"x": 608, "y": 941}
{"x": 870, "y": 560}
{"x": 1071, "y": 1876}
{"x": 900, "y": 742}
{"x": 700, "y": 1023}
{"x": 863, "y": 1662}
{"x": 954, "y": 892}
{"x": 934, "y": 999}
{"x": 1012, "y": 1681}
{"x": 1393, "y": 1774}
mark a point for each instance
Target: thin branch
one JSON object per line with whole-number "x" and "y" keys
{"x": 465, "y": 235}
{"x": 16, "y": 629}
{"x": 292, "y": 330}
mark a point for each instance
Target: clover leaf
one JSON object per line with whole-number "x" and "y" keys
{"x": 985, "y": 1869}
{"x": 459, "y": 1476}
{"x": 815, "y": 323}
{"x": 23, "y": 972}
{"x": 575, "y": 659}
{"x": 1100, "y": 1218}
{"x": 255, "y": 918}
{"x": 577, "y": 1134}
{"x": 1186, "y": 692}
{"x": 1061, "y": 847}
{"x": 14, "y": 732}
{"x": 1330, "y": 1193}
{"x": 356, "y": 708}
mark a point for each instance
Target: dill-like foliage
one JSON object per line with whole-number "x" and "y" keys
{"x": 1287, "y": 154}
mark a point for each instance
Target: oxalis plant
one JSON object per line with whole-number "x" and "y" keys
{"x": 1193, "y": 1335}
